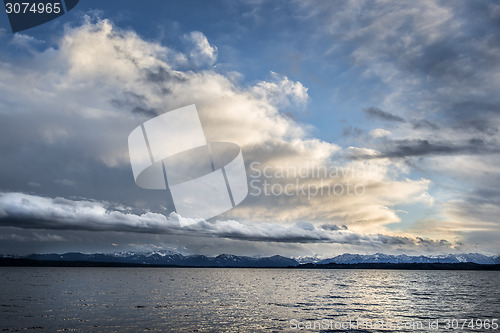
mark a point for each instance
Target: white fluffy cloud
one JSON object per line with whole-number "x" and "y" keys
{"x": 379, "y": 133}
{"x": 282, "y": 92}
{"x": 202, "y": 53}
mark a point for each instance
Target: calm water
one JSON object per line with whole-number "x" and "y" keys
{"x": 240, "y": 300}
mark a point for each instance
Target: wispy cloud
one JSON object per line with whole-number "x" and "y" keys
{"x": 382, "y": 115}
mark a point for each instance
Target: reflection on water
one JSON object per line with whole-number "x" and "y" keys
{"x": 235, "y": 300}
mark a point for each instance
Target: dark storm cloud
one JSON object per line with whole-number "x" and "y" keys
{"x": 428, "y": 242}
{"x": 465, "y": 108}
{"x": 404, "y": 148}
{"x": 475, "y": 116}
{"x": 424, "y": 124}
{"x": 33, "y": 212}
{"x": 421, "y": 147}
{"x": 146, "y": 112}
{"x": 382, "y": 115}
{"x": 333, "y": 227}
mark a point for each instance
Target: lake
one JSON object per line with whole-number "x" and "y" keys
{"x": 246, "y": 300}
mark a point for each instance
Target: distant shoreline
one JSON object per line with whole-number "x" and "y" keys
{"x": 469, "y": 266}
{"x": 21, "y": 262}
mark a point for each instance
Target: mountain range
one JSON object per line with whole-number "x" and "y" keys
{"x": 164, "y": 258}
{"x": 348, "y": 258}
{"x": 170, "y": 258}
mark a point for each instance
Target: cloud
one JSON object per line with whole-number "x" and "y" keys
{"x": 422, "y": 147}
{"x": 48, "y": 237}
{"x": 25, "y": 42}
{"x": 431, "y": 68}
{"x": 382, "y": 115}
{"x": 108, "y": 81}
{"x": 282, "y": 92}
{"x": 352, "y": 131}
{"x": 65, "y": 182}
{"x": 379, "y": 133}
{"x": 472, "y": 216}
{"x": 434, "y": 69}
{"x": 333, "y": 227}
{"x": 35, "y": 212}
{"x": 31, "y": 237}
{"x": 202, "y": 53}
{"x": 420, "y": 58}
{"x": 424, "y": 124}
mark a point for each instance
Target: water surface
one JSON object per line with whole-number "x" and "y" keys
{"x": 238, "y": 300}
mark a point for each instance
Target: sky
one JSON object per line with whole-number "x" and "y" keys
{"x": 365, "y": 126}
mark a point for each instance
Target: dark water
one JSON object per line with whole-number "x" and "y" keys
{"x": 243, "y": 300}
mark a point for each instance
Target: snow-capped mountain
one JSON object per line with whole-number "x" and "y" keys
{"x": 348, "y": 258}
{"x": 168, "y": 258}
{"x": 309, "y": 259}
{"x": 171, "y": 258}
